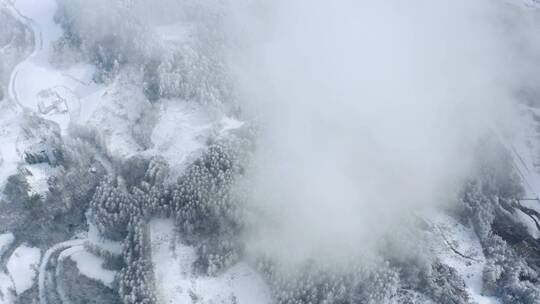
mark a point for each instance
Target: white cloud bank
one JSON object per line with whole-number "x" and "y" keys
{"x": 369, "y": 110}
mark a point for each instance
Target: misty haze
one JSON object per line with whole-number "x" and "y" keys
{"x": 270, "y": 151}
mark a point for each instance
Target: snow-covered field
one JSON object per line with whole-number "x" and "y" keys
{"x": 23, "y": 267}
{"x": 90, "y": 265}
{"x": 177, "y": 283}
{"x": 458, "y": 246}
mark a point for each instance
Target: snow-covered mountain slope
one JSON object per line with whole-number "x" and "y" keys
{"x": 121, "y": 145}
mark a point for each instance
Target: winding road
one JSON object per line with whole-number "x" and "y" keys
{"x": 78, "y": 243}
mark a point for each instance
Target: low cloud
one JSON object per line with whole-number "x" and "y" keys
{"x": 369, "y": 111}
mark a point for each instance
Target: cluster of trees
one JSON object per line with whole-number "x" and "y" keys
{"x": 315, "y": 283}
{"x": 510, "y": 273}
{"x": 187, "y": 74}
{"x": 489, "y": 202}
{"x": 120, "y": 209}
{"x": 138, "y": 191}
{"x": 397, "y": 280}
{"x": 205, "y": 210}
{"x": 442, "y": 284}
{"x": 46, "y": 219}
{"x": 136, "y": 278}
{"x": 110, "y": 210}
{"x": 43, "y": 141}
{"x": 201, "y": 202}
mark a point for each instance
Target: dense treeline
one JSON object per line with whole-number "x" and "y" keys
{"x": 201, "y": 203}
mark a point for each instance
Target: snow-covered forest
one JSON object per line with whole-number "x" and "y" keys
{"x": 261, "y": 152}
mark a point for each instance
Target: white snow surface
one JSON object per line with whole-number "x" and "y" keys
{"x": 38, "y": 178}
{"x": 99, "y": 241}
{"x": 176, "y": 282}
{"x": 448, "y": 234}
{"x": 7, "y": 295}
{"x": 181, "y": 130}
{"x": 91, "y": 266}
{"x": 22, "y": 267}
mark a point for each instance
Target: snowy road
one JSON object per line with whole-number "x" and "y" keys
{"x": 45, "y": 261}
